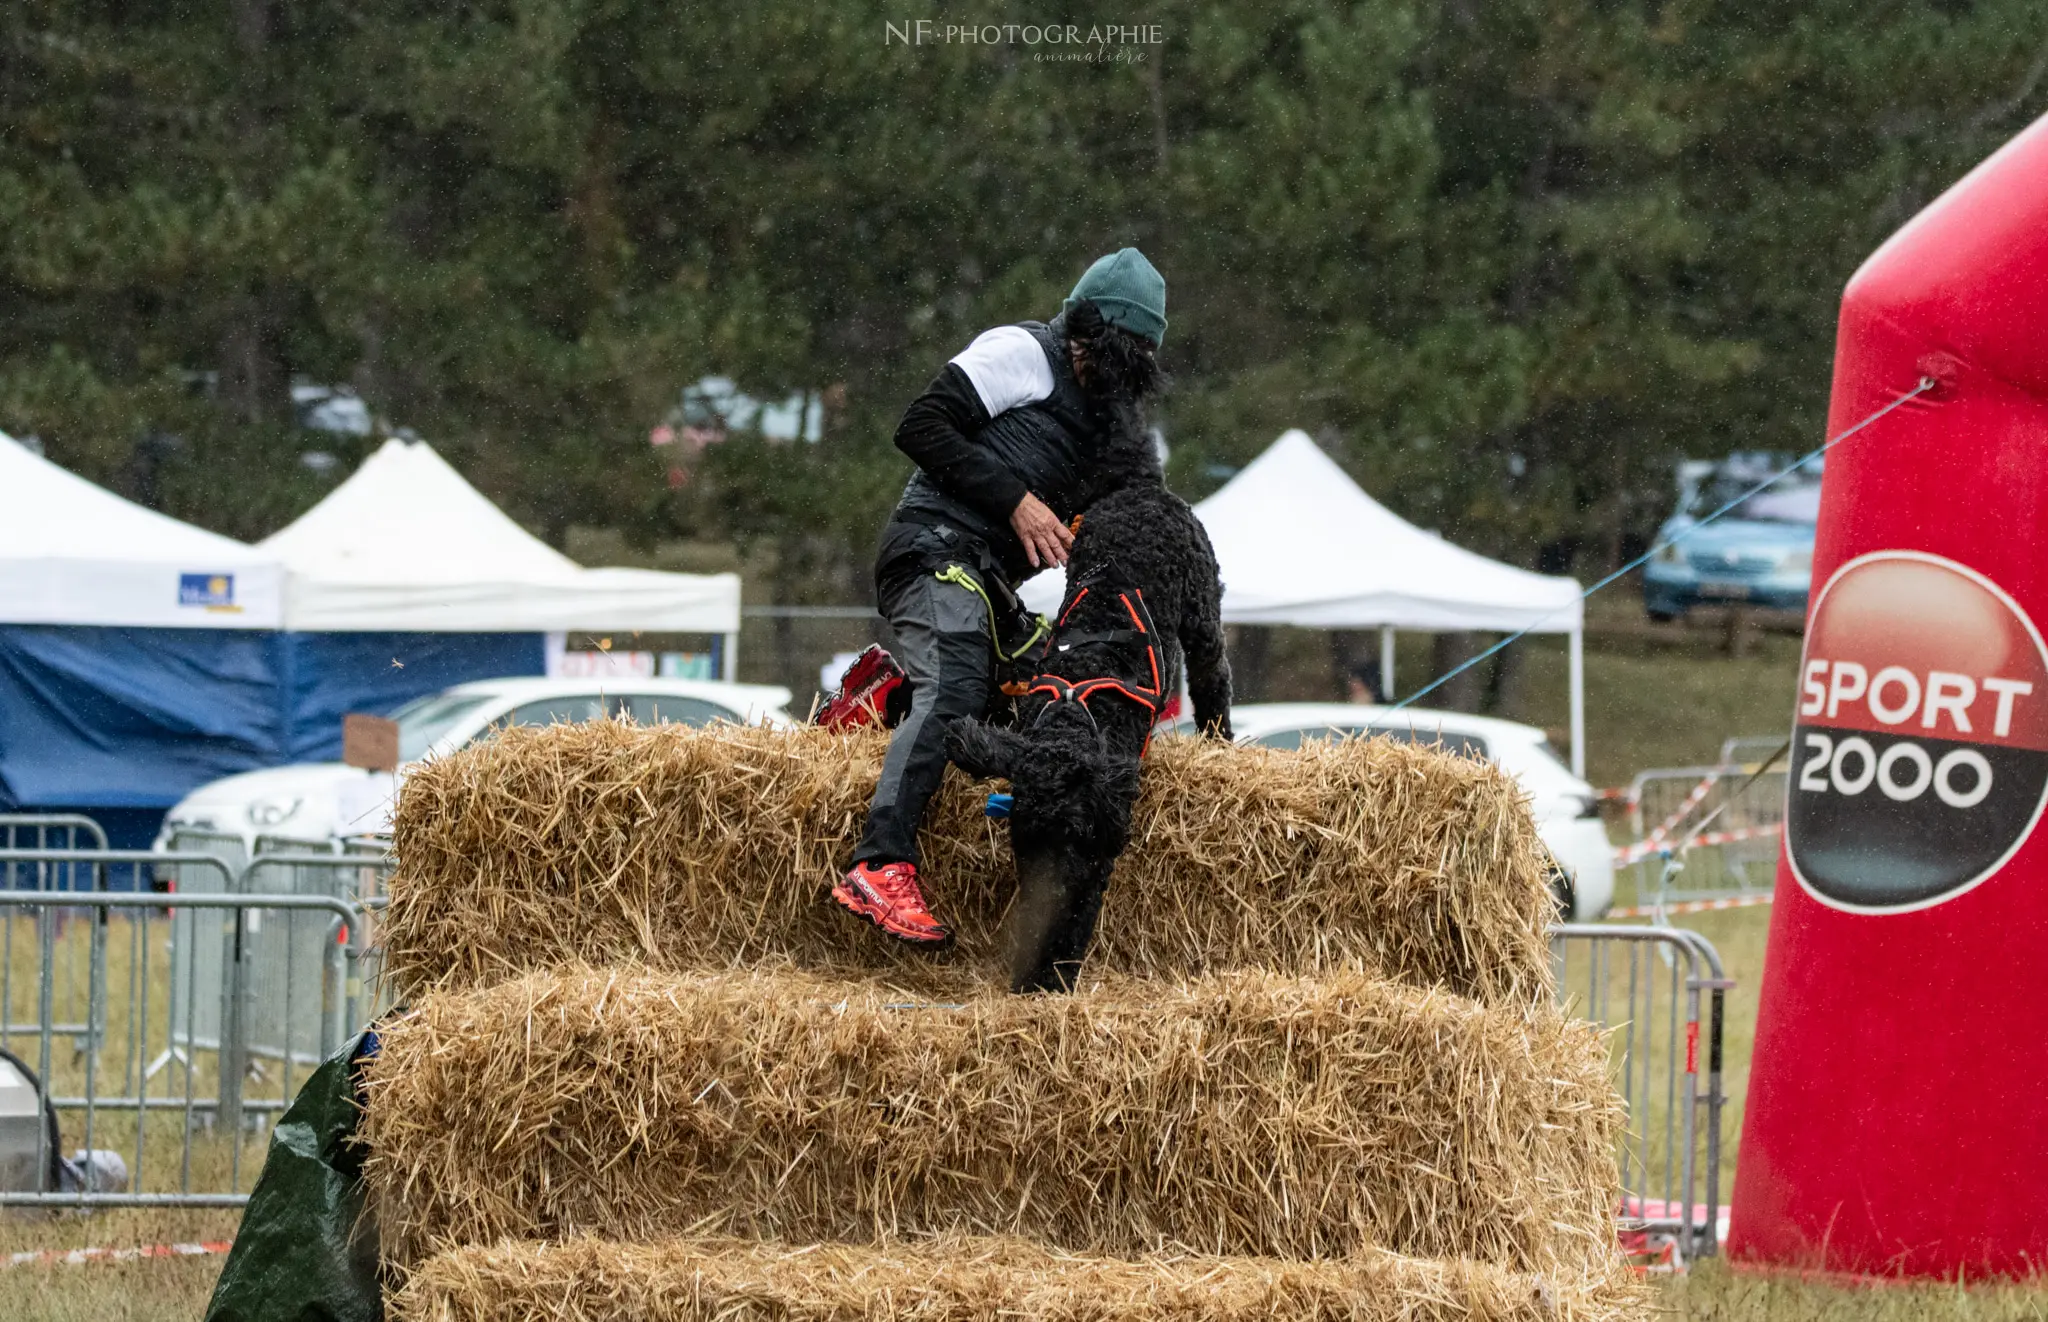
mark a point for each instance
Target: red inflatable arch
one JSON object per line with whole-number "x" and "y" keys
{"x": 1897, "y": 1116}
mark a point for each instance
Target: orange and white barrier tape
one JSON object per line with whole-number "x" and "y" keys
{"x": 1684, "y": 810}
{"x": 1642, "y": 849}
{"x": 79, "y": 1257}
{"x": 1691, "y": 906}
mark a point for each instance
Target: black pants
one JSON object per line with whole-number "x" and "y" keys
{"x": 944, "y": 643}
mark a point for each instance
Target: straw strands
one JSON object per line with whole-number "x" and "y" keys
{"x": 686, "y": 848}
{"x": 1245, "y": 1113}
{"x": 980, "y": 1280}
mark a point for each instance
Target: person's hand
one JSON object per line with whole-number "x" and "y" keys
{"x": 1045, "y": 538}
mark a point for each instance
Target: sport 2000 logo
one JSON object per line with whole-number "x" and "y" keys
{"x": 1920, "y": 754}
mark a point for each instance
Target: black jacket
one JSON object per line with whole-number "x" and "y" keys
{"x": 973, "y": 469}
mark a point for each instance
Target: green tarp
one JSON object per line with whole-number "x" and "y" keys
{"x": 305, "y": 1252}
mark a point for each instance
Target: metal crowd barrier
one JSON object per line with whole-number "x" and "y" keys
{"x": 287, "y": 955}
{"x": 1670, "y": 859}
{"x": 66, "y": 834}
{"x": 275, "y": 1032}
{"x": 1662, "y": 994}
{"x": 57, "y": 830}
{"x": 188, "y": 1121}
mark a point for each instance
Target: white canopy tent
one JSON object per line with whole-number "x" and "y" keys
{"x": 1300, "y": 543}
{"x": 406, "y": 544}
{"x": 72, "y": 553}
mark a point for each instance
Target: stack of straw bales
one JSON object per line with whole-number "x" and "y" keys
{"x": 1314, "y": 1071}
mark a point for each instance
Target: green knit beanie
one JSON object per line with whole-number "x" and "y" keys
{"x": 1129, "y": 290}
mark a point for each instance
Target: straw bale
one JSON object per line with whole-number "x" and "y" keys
{"x": 982, "y": 1280}
{"x": 1246, "y": 1113}
{"x": 690, "y": 848}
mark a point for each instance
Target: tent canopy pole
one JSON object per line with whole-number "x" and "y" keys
{"x": 1386, "y": 692}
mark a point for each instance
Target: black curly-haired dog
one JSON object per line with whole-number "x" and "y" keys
{"x": 1143, "y": 601}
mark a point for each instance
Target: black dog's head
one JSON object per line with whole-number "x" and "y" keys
{"x": 1068, "y": 792}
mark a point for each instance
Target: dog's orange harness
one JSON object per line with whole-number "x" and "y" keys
{"x": 1057, "y": 688}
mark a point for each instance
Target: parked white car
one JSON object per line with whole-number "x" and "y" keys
{"x": 1567, "y": 810}
{"x": 320, "y": 802}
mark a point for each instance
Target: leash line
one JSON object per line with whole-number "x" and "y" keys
{"x": 1926, "y": 384}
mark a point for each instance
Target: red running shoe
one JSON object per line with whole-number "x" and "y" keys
{"x": 888, "y": 897}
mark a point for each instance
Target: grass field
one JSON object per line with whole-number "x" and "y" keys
{"x": 177, "y": 1288}
{"x": 1715, "y": 1293}
{"x": 1652, "y": 701}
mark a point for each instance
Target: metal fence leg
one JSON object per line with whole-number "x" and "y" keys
{"x": 138, "y": 1027}
{"x": 234, "y": 1044}
{"x": 46, "y": 1001}
{"x": 7, "y": 968}
{"x": 96, "y": 984}
{"x": 1717, "y": 1001}
{"x": 96, "y": 995}
{"x": 1688, "y": 1238}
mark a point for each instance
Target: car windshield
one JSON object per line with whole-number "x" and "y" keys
{"x": 1794, "y": 498}
{"x": 423, "y": 721}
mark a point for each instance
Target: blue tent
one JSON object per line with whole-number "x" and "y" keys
{"x": 120, "y": 723}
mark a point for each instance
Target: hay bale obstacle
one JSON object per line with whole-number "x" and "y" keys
{"x": 1238, "y": 1114}
{"x": 1314, "y": 1071}
{"x": 981, "y": 1280}
{"x": 687, "y": 848}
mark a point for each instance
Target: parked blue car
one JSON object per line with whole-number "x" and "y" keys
{"x": 1760, "y": 553}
